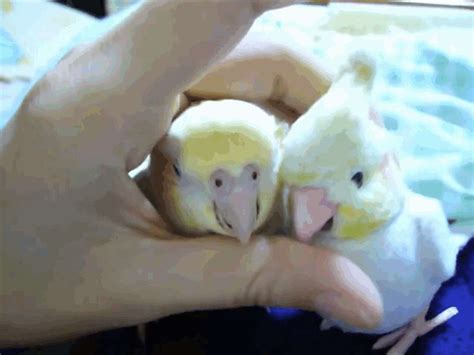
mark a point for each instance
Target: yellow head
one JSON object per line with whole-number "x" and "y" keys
{"x": 217, "y": 169}
{"x": 338, "y": 162}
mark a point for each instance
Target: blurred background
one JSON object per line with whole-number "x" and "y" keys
{"x": 424, "y": 91}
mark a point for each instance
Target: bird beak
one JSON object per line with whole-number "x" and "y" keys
{"x": 240, "y": 213}
{"x": 311, "y": 211}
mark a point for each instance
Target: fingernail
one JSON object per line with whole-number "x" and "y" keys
{"x": 335, "y": 306}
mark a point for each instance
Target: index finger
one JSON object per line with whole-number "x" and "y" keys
{"x": 267, "y": 67}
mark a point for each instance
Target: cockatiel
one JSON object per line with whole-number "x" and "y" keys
{"x": 216, "y": 171}
{"x": 346, "y": 193}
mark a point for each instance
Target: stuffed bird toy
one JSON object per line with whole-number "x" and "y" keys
{"x": 346, "y": 193}
{"x": 216, "y": 171}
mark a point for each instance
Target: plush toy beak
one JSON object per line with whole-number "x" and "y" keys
{"x": 311, "y": 211}
{"x": 239, "y": 214}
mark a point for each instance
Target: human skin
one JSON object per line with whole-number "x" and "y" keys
{"x": 82, "y": 250}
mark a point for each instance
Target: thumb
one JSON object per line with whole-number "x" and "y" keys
{"x": 215, "y": 272}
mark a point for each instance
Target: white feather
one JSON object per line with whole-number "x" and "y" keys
{"x": 408, "y": 260}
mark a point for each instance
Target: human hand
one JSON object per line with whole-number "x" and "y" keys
{"x": 82, "y": 249}
{"x": 269, "y": 68}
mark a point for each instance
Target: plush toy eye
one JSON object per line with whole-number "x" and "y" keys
{"x": 358, "y": 179}
{"x": 254, "y": 175}
{"x": 176, "y": 170}
{"x": 218, "y": 182}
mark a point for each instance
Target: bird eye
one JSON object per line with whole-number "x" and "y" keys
{"x": 176, "y": 170}
{"x": 221, "y": 182}
{"x": 358, "y": 179}
{"x": 254, "y": 175}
